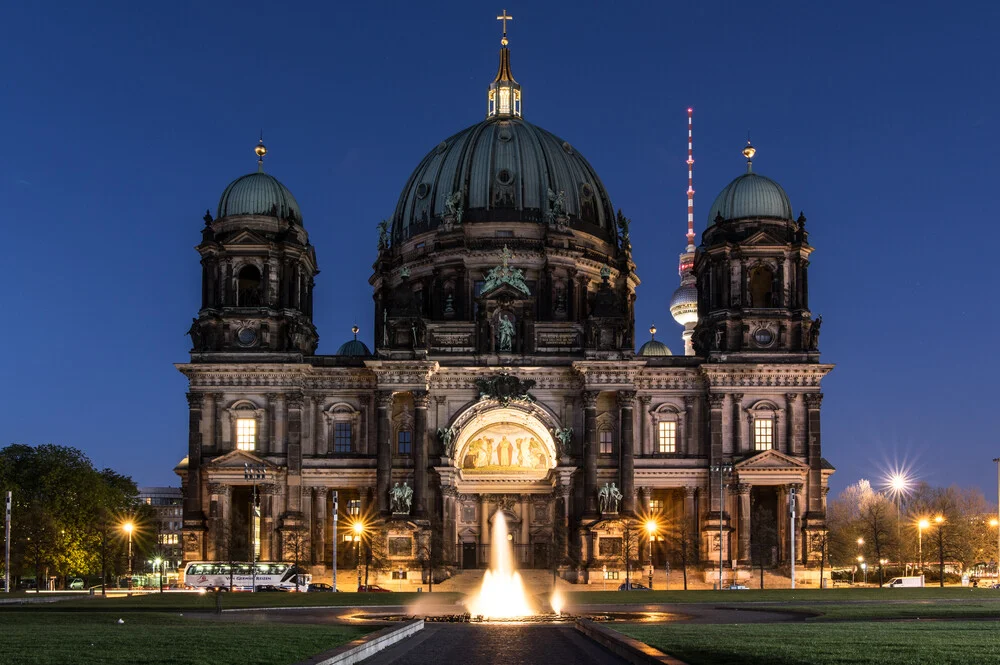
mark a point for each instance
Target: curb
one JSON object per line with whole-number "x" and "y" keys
{"x": 367, "y": 646}
{"x": 634, "y": 651}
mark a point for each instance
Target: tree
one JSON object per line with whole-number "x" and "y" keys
{"x": 295, "y": 542}
{"x": 677, "y": 533}
{"x": 56, "y": 494}
{"x": 763, "y": 537}
{"x": 630, "y": 545}
{"x": 878, "y": 527}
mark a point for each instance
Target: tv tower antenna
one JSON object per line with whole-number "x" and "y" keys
{"x": 690, "y": 190}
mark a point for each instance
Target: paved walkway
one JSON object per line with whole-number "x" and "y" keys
{"x": 496, "y": 644}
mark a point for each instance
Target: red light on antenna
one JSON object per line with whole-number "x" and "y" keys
{"x": 690, "y": 110}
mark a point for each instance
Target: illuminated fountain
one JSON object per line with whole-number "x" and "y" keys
{"x": 502, "y": 594}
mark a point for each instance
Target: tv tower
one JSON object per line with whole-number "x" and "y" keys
{"x": 684, "y": 303}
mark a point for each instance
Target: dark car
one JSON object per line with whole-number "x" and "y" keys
{"x": 271, "y": 588}
{"x": 634, "y": 586}
{"x": 319, "y": 586}
{"x": 372, "y": 588}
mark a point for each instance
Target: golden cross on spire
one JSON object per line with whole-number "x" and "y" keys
{"x": 504, "y": 17}
{"x": 506, "y": 255}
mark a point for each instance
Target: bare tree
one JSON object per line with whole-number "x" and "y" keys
{"x": 878, "y": 527}
{"x": 630, "y": 546}
{"x": 763, "y": 538}
{"x": 295, "y": 543}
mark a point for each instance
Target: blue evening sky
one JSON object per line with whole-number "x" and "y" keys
{"x": 123, "y": 121}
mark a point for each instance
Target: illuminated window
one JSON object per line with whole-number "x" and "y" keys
{"x": 656, "y": 505}
{"x": 403, "y": 442}
{"x": 354, "y": 507}
{"x": 666, "y": 437}
{"x": 763, "y": 434}
{"x": 504, "y": 100}
{"x": 246, "y": 434}
{"x": 342, "y": 439}
{"x": 607, "y": 441}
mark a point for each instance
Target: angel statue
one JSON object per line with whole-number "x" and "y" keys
{"x": 446, "y": 435}
{"x": 383, "y": 235}
{"x": 453, "y": 205}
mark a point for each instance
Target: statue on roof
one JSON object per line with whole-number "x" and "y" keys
{"x": 383, "y": 235}
{"x": 506, "y": 334}
{"x": 454, "y": 205}
{"x": 557, "y": 206}
{"x": 504, "y": 274}
{"x": 623, "y": 226}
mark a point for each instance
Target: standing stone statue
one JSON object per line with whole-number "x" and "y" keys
{"x": 400, "y": 498}
{"x": 446, "y": 435}
{"x": 603, "y": 494}
{"x": 506, "y": 334}
{"x": 383, "y": 235}
{"x": 453, "y": 205}
{"x": 615, "y": 498}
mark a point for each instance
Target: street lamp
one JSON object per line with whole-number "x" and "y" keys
{"x": 939, "y": 520}
{"x": 721, "y": 469}
{"x": 158, "y": 562}
{"x": 995, "y": 523}
{"x": 128, "y": 527}
{"x": 253, "y": 473}
{"x": 359, "y": 528}
{"x": 899, "y": 484}
{"x": 921, "y": 525}
{"x": 651, "y": 527}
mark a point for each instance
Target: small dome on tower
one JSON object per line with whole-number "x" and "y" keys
{"x": 258, "y": 194}
{"x": 354, "y": 348}
{"x": 751, "y": 196}
{"x": 653, "y": 347}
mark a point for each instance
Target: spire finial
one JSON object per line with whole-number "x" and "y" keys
{"x": 261, "y": 150}
{"x": 504, "y": 96}
{"x": 652, "y": 331}
{"x": 749, "y": 152}
{"x": 504, "y": 18}
{"x": 355, "y": 329}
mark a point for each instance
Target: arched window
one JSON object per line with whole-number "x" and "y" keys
{"x": 761, "y": 282}
{"x": 248, "y": 287}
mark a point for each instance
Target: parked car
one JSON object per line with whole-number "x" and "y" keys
{"x": 319, "y": 586}
{"x": 634, "y": 586}
{"x": 271, "y": 588}
{"x": 372, "y": 588}
{"x": 76, "y": 584}
{"x": 737, "y": 587}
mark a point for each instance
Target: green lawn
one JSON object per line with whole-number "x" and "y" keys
{"x": 777, "y": 595}
{"x": 181, "y": 602}
{"x": 41, "y": 638}
{"x": 924, "y": 610}
{"x": 944, "y": 643}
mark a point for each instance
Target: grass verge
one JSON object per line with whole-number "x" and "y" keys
{"x": 948, "y": 643}
{"x": 184, "y": 602}
{"x": 778, "y": 595}
{"x": 43, "y": 638}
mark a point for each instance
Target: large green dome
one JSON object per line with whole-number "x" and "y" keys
{"x": 505, "y": 169}
{"x": 751, "y": 196}
{"x": 258, "y": 194}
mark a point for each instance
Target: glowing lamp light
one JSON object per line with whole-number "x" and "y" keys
{"x": 923, "y": 524}
{"x": 128, "y": 527}
{"x": 651, "y": 526}
{"x": 994, "y": 522}
{"x": 358, "y": 528}
{"x": 938, "y": 519}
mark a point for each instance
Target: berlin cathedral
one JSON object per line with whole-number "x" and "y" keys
{"x": 505, "y": 376}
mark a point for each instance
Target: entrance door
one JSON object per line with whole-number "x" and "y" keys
{"x": 541, "y": 553}
{"x": 468, "y": 556}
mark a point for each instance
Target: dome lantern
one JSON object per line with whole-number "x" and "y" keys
{"x": 504, "y": 96}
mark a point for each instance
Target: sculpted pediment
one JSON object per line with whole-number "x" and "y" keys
{"x": 770, "y": 460}
{"x": 246, "y": 237}
{"x": 235, "y": 459}
{"x": 762, "y": 239}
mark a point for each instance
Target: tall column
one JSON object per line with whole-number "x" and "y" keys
{"x": 797, "y": 416}
{"x": 218, "y": 413}
{"x": 626, "y": 404}
{"x": 264, "y": 435}
{"x": 813, "y": 401}
{"x": 739, "y": 442}
{"x": 782, "y": 523}
{"x": 716, "y": 453}
{"x": 192, "y": 494}
{"x": 383, "y": 432}
{"x": 564, "y": 494}
{"x": 788, "y": 429}
{"x": 645, "y": 496}
{"x": 743, "y": 491}
{"x": 421, "y": 401}
{"x": 686, "y": 433}
{"x": 280, "y": 424}
{"x": 226, "y": 529}
{"x": 645, "y": 436}
{"x": 590, "y": 450}
{"x": 484, "y": 520}
{"x": 319, "y": 542}
{"x": 728, "y": 425}
{"x": 690, "y": 521}
{"x": 525, "y": 527}
{"x": 266, "y": 497}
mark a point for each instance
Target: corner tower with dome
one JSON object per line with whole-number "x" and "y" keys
{"x": 503, "y": 376}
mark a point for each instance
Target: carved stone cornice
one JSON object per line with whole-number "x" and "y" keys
{"x": 609, "y": 375}
{"x": 321, "y": 492}
{"x": 715, "y": 400}
{"x": 403, "y": 375}
{"x": 626, "y": 399}
{"x": 273, "y": 397}
{"x": 589, "y": 399}
{"x": 221, "y": 489}
{"x": 689, "y": 402}
{"x": 791, "y": 397}
{"x": 690, "y": 491}
{"x": 779, "y": 376}
{"x": 737, "y": 397}
{"x": 295, "y": 400}
{"x": 421, "y": 399}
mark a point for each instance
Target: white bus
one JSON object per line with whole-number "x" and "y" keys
{"x": 216, "y": 575}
